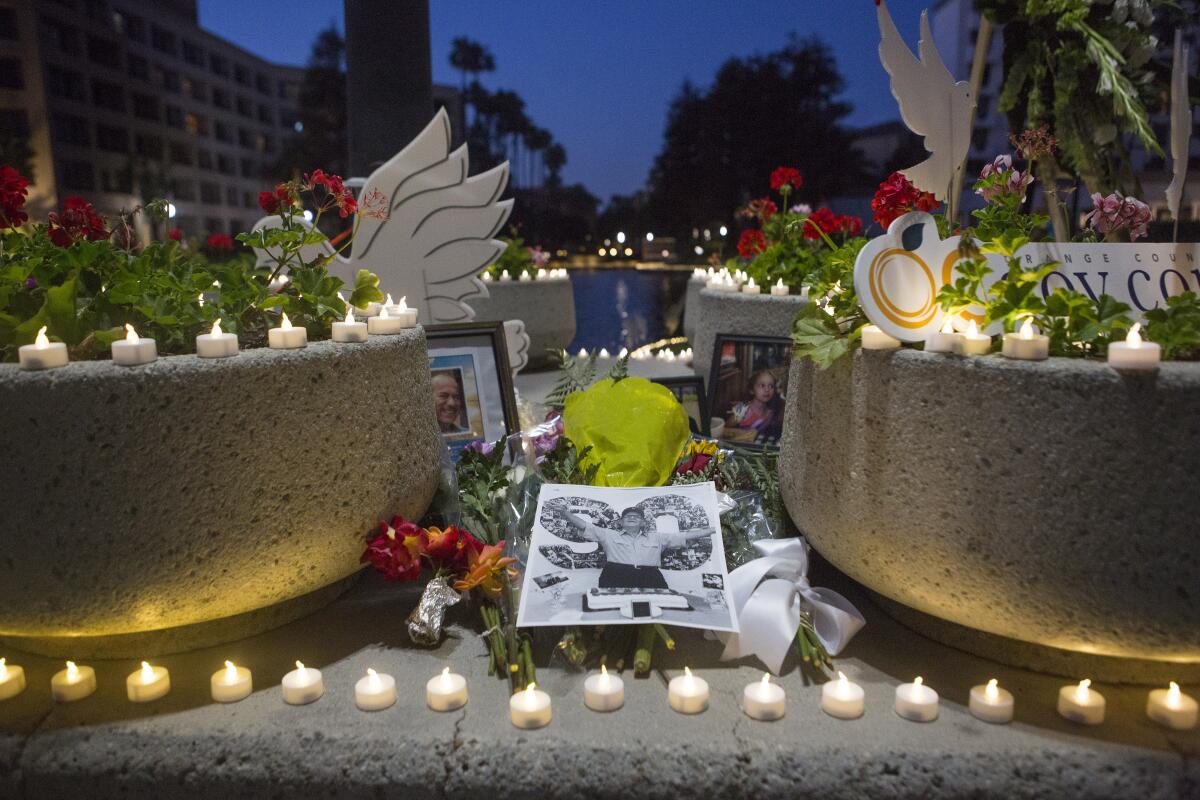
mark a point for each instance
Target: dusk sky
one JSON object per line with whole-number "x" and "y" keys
{"x": 600, "y": 75}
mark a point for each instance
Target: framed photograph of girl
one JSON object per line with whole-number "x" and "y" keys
{"x": 747, "y": 388}
{"x": 473, "y": 396}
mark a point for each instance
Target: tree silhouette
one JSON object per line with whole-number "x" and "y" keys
{"x": 470, "y": 58}
{"x": 321, "y": 141}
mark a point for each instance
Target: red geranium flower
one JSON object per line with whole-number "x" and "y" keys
{"x": 271, "y": 202}
{"x": 219, "y": 243}
{"x": 897, "y": 196}
{"x": 751, "y": 243}
{"x": 848, "y": 224}
{"x": 451, "y": 547}
{"x": 396, "y": 550}
{"x": 337, "y": 193}
{"x": 823, "y": 219}
{"x": 14, "y": 189}
{"x": 175, "y": 234}
{"x": 77, "y": 220}
{"x": 786, "y": 177}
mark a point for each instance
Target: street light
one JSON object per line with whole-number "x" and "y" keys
{"x": 171, "y": 211}
{"x": 724, "y": 230}
{"x": 649, "y": 237}
{"x": 620, "y": 237}
{"x": 307, "y": 215}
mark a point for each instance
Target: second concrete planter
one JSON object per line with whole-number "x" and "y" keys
{"x": 546, "y": 306}
{"x": 742, "y": 314}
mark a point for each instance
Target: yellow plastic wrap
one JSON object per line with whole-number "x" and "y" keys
{"x": 635, "y": 428}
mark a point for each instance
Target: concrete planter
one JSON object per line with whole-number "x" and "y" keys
{"x": 1051, "y": 503}
{"x": 743, "y": 314}
{"x": 190, "y": 501}
{"x": 691, "y": 307}
{"x": 547, "y": 307}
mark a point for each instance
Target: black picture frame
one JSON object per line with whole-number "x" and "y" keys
{"x": 703, "y": 425}
{"x": 477, "y": 334}
{"x": 752, "y": 354}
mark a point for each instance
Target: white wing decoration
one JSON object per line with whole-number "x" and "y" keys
{"x": 518, "y": 345}
{"x": 440, "y": 227}
{"x": 1181, "y": 124}
{"x": 932, "y": 104}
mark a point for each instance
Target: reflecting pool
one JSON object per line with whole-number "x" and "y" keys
{"x": 626, "y": 307}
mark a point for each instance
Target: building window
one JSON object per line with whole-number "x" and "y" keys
{"x": 66, "y": 84}
{"x": 979, "y": 138}
{"x": 11, "y": 76}
{"x": 179, "y": 153}
{"x": 149, "y": 146}
{"x": 8, "y": 24}
{"x": 195, "y": 89}
{"x": 193, "y": 53}
{"x": 108, "y": 95}
{"x": 231, "y": 196}
{"x": 60, "y": 36}
{"x": 135, "y": 27}
{"x": 236, "y": 226}
{"x": 218, "y": 64}
{"x": 222, "y": 132}
{"x": 77, "y": 175}
{"x": 224, "y": 164}
{"x": 245, "y": 139}
{"x": 14, "y": 123}
{"x": 183, "y": 189}
{"x": 162, "y": 40}
{"x": 112, "y": 139}
{"x": 210, "y": 193}
{"x": 196, "y": 124}
{"x": 248, "y": 170}
{"x": 244, "y": 107}
{"x": 262, "y": 84}
{"x": 145, "y": 106}
{"x": 983, "y": 107}
{"x": 241, "y": 74}
{"x": 265, "y": 115}
{"x": 138, "y": 67}
{"x": 119, "y": 181}
{"x": 175, "y": 117}
{"x": 249, "y": 200}
{"x": 167, "y": 79}
{"x": 264, "y": 143}
{"x": 220, "y": 97}
{"x": 204, "y": 159}
{"x": 104, "y": 52}
{"x": 70, "y": 129}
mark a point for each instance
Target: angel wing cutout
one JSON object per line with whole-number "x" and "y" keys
{"x": 932, "y": 104}
{"x": 439, "y": 232}
{"x": 518, "y": 345}
{"x": 1181, "y": 124}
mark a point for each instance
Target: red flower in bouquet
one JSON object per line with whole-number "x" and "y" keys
{"x": 764, "y": 208}
{"x": 14, "y": 189}
{"x": 451, "y": 547}
{"x": 820, "y": 221}
{"x": 786, "y": 178}
{"x": 175, "y": 234}
{"x": 485, "y": 570}
{"x": 396, "y": 550}
{"x": 897, "y": 196}
{"x": 219, "y": 243}
{"x": 751, "y": 243}
{"x": 848, "y": 224}
{"x": 337, "y": 193}
{"x": 77, "y": 220}
{"x": 281, "y": 197}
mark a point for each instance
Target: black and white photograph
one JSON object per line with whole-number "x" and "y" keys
{"x": 689, "y": 391}
{"x": 607, "y": 556}
{"x": 748, "y": 389}
{"x": 473, "y": 396}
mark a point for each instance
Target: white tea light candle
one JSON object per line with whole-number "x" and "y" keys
{"x": 751, "y": 287}
{"x": 530, "y": 709}
{"x": 873, "y": 338}
{"x": 1081, "y": 703}
{"x": 286, "y": 336}
{"x": 446, "y": 692}
{"x": 1133, "y": 353}
{"x": 231, "y": 684}
{"x": 133, "y": 350}
{"x": 603, "y": 692}
{"x": 504, "y": 276}
{"x": 401, "y": 311}
{"x": 1172, "y": 708}
{"x": 375, "y": 692}
{"x": 216, "y": 343}
{"x": 917, "y": 702}
{"x": 1026, "y": 345}
{"x": 842, "y": 698}
{"x": 764, "y": 700}
{"x": 779, "y": 290}
{"x": 302, "y": 685}
{"x": 147, "y": 684}
{"x": 349, "y": 330}
{"x": 12, "y": 679}
{"x": 385, "y": 324}
{"x": 43, "y": 353}
{"x": 947, "y": 340}
{"x": 975, "y": 343}
{"x": 990, "y": 703}
{"x": 73, "y": 683}
{"x": 688, "y": 694}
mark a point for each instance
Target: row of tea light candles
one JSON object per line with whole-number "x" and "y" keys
{"x": 687, "y": 694}
{"x": 541, "y": 275}
{"x": 387, "y": 318}
{"x": 737, "y": 281}
{"x": 1024, "y": 345}
{"x": 642, "y": 354}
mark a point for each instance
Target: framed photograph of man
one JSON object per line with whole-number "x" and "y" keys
{"x": 473, "y": 395}
{"x": 747, "y": 388}
{"x": 689, "y": 391}
{"x": 606, "y": 556}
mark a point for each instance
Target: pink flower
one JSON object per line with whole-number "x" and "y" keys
{"x": 1000, "y": 181}
{"x": 1116, "y": 212}
{"x": 540, "y": 257}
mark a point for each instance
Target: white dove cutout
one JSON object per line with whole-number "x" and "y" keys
{"x": 932, "y": 104}
{"x": 1181, "y": 124}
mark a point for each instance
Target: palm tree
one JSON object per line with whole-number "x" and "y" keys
{"x": 511, "y": 122}
{"x": 536, "y": 142}
{"x": 470, "y": 58}
{"x": 554, "y": 159}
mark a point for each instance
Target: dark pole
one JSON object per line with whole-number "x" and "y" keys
{"x": 389, "y": 78}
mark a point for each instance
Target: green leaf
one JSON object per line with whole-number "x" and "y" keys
{"x": 366, "y": 289}
{"x": 818, "y": 338}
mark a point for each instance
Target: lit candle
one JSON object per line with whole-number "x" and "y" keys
{"x": 401, "y": 311}
{"x": 43, "y": 353}
{"x": 1026, "y": 345}
{"x": 975, "y": 343}
{"x": 487, "y": 276}
{"x": 624, "y": 352}
{"x": 446, "y": 692}
{"x": 1081, "y": 703}
{"x": 699, "y": 272}
{"x": 231, "y": 684}
{"x": 763, "y": 700}
{"x": 730, "y": 284}
{"x": 375, "y": 692}
{"x": 302, "y": 685}
{"x": 530, "y": 708}
{"x": 842, "y": 698}
{"x": 372, "y": 310}
{"x": 917, "y": 702}
{"x": 385, "y": 324}
{"x": 873, "y": 338}
{"x": 133, "y": 349}
{"x": 73, "y": 683}
{"x": 148, "y": 683}
{"x": 990, "y": 703}
{"x": 779, "y": 290}
{"x": 945, "y": 341}
{"x": 287, "y": 337}
{"x": 688, "y": 694}
{"x": 541, "y": 274}
{"x": 603, "y": 692}
{"x": 604, "y": 353}
{"x": 583, "y": 352}
{"x": 12, "y": 679}
{"x": 349, "y": 330}
{"x": 524, "y": 277}
{"x": 216, "y": 343}
{"x": 504, "y": 276}
{"x": 751, "y": 288}
{"x": 1168, "y": 707}
{"x": 1133, "y": 353}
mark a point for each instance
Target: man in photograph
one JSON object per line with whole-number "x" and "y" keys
{"x": 634, "y": 554}
{"x": 448, "y": 402}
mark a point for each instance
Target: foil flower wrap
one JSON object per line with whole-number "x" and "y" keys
{"x": 425, "y": 621}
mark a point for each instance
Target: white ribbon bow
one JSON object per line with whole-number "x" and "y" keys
{"x": 770, "y": 592}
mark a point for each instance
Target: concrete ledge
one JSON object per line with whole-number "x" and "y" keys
{"x": 186, "y": 747}
{"x": 178, "y": 497}
{"x": 1043, "y": 502}
{"x": 547, "y": 307}
{"x": 691, "y": 307}
{"x": 744, "y": 314}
